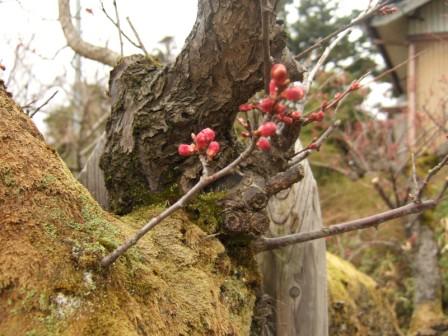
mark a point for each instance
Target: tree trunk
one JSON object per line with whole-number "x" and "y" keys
{"x": 155, "y": 108}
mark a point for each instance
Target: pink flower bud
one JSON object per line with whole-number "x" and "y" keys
{"x": 287, "y": 120}
{"x": 279, "y": 74}
{"x": 201, "y": 141}
{"x": 263, "y": 144}
{"x": 293, "y": 93}
{"x": 209, "y": 134}
{"x": 246, "y": 107}
{"x": 266, "y": 105}
{"x": 272, "y": 88}
{"x": 280, "y": 108}
{"x": 386, "y": 10}
{"x": 213, "y": 149}
{"x": 355, "y": 86}
{"x": 296, "y": 115}
{"x": 313, "y": 146}
{"x": 267, "y": 129}
{"x": 186, "y": 150}
{"x": 317, "y": 116}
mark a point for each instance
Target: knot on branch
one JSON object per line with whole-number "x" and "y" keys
{"x": 255, "y": 198}
{"x": 239, "y": 221}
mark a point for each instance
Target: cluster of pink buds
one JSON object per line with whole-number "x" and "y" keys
{"x": 203, "y": 143}
{"x": 387, "y": 9}
{"x": 274, "y": 106}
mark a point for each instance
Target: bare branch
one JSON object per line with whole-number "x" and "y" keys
{"x": 340, "y": 35}
{"x": 265, "y": 244}
{"x": 414, "y": 177}
{"x": 44, "y": 104}
{"x": 119, "y": 28}
{"x": 304, "y": 153}
{"x": 442, "y": 191}
{"x": 382, "y": 193}
{"x": 83, "y": 48}
{"x": 264, "y": 11}
{"x": 141, "y": 45}
{"x": 354, "y": 22}
{"x": 120, "y": 37}
{"x": 429, "y": 176}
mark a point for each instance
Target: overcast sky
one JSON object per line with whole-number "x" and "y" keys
{"x": 20, "y": 20}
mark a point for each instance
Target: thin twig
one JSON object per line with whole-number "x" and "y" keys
{"x": 120, "y": 37}
{"x": 264, "y": 12}
{"x": 341, "y": 35}
{"x": 414, "y": 175}
{"x": 442, "y": 191}
{"x": 354, "y": 22}
{"x": 116, "y": 25}
{"x": 142, "y": 46}
{"x": 304, "y": 153}
{"x": 429, "y": 176}
{"x": 382, "y": 193}
{"x": 44, "y": 104}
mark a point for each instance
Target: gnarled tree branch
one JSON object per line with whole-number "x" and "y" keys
{"x": 83, "y": 48}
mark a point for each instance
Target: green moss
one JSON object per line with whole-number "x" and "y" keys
{"x": 357, "y": 306}
{"x": 205, "y": 211}
{"x": 46, "y": 182}
{"x": 7, "y": 178}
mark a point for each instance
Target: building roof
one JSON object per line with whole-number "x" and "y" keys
{"x": 390, "y": 34}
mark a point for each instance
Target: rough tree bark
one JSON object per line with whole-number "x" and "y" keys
{"x": 155, "y": 108}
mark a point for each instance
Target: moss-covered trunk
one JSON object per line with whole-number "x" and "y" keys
{"x": 52, "y": 235}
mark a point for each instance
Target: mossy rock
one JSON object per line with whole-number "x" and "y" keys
{"x": 177, "y": 281}
{"x": 357, "y": 307}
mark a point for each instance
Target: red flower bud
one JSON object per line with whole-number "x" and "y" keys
{"x": 293, "y": 93}
{"x": 317, "y": 116}
{"x": 201, "y": 141}
{"x": 386, "y": 10}
{"x": 272, "y": 88}
{"x": 279, "y": 74}
{"x": 246, "y": 107}
{"x": 287, "y": 120}
{"x": 355, "y": 86}
{"x": 209, "y": 134}
{"x": 313, "y": 146}
{"x": 213, "y": 149}
{"x": 280, "y": 108}
{"x": 266, "y": 105}
{"x": 186, "y": 150}
{"x": 263, "y": 144}
{"x": 296, "y": 115}
{"x": 267, "y": 129}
